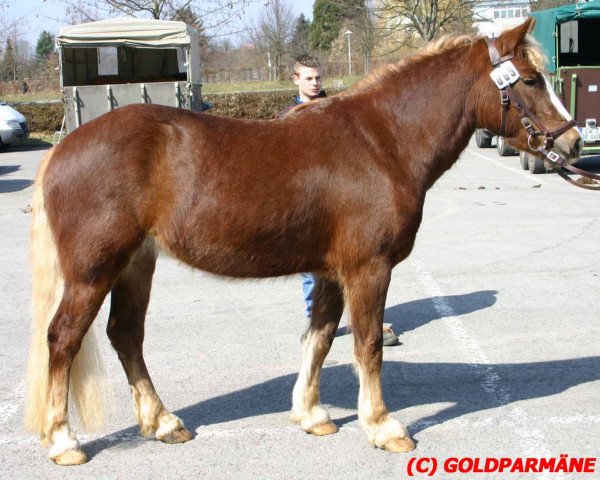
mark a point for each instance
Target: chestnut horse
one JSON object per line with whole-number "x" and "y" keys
{"x": 335, "y": 188}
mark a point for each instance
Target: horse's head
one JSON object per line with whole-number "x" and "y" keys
{"x": 521, "y": 106}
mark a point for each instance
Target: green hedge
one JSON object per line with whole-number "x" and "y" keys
{"x": 260, "y": 105}
{"x": 42, "y": 117}
{"x": 47, "y": 117}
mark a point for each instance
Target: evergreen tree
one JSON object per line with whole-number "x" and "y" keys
{"x": 300, "y": 38}
{"x": 45, "y": 46}
{"x": 328, "y": 19}
{"x": 8, "y": 67}
{"x": 189, "y": 16}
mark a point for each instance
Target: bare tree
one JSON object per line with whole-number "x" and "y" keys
{"x": 9, "y": 25}
{"x": 216, "y": 16}
{"x": 543, "y": 4}
{"x": 425, "y": 20}
{"x": 272, "y": 31}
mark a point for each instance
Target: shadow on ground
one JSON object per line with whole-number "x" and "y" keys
{"x": 339, "y": 383}
{"x": 9, "y": 185}
{"x": 590, "y": 163}
{"x": 409, "y": 316}
{"x": 405, "y": 384}
{"x": 31, "y": 144}
{"x": 14, "y": 185}
{"x": 6, "y": 169}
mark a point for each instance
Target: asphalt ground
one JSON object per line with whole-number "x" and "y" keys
{"x": 496, "y": 309}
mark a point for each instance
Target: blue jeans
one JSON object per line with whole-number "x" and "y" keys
{"x": 308, "y": 287}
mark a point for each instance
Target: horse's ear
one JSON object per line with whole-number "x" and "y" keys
{"x": 509, "y": 40}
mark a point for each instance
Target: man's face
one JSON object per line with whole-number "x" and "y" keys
{"x": 309, "y": 82}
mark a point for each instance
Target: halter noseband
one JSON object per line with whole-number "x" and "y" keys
{"x": 504, "y": 76}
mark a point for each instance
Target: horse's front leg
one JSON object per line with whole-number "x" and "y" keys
{"x": 326, "y": 313}
{"x": 366, "y": 293}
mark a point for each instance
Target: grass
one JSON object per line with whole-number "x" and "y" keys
{"x": 39, "y": 139}
{"x": 31, "y": 97}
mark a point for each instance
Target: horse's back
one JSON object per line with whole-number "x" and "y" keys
{"x": 200, "y": 184}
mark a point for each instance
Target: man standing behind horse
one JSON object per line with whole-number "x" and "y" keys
{"x": 308, "y": 76}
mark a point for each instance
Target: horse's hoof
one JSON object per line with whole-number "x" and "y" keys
{"x": 323, "y": 429}
{"x": 179, "y": 435}
{"x": 71, "y": 457}
{"x": 400, "y": 445}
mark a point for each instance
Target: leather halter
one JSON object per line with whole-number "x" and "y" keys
{"x": 534, "y": 126}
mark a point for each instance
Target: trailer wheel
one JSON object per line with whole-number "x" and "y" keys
{"x": 524, "y": 159}
{"x": 504, "y": 149}
{"x": 536, "y": 165}
{"x": 482, "y": 138}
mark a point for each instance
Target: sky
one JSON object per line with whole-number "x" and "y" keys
{"x": 35, "y": 16}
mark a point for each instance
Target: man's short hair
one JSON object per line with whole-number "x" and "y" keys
{"x": 306, "y": 60}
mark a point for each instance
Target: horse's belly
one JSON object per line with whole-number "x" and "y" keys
{"x": 258, "y": 258}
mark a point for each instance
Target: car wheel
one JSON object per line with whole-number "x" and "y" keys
{"x": 504, "y": 149}
{"x": 536, "y": 164}
{"x": 482, "y": 138}
{"x": 3, "y": 146}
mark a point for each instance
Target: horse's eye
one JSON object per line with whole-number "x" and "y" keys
{"x": 530, "y": 81}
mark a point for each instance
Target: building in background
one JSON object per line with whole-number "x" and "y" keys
{"x": 492, "y": 17}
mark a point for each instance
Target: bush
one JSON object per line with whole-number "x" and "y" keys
{"x": 42, "y": 117}
{"x": 260, "y": 105}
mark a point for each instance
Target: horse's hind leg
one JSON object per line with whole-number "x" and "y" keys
{"x": 78, "y": 308}
{"x": 129, "y": 301}
{"x": 366, "y": 292}
{"x": 326, "y": 313}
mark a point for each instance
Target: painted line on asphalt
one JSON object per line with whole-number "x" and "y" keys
{"x": 532, "y": 440}
{"x": 506, "y": 167}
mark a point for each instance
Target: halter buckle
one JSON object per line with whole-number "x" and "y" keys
{"x": 554, "y": 157}
{"x": 528, "y": 126}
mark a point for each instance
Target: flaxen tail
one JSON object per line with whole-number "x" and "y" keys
{"x": 87, "y": 386}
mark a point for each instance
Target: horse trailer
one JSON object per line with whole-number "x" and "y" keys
{"x": 110, "y": 63}
{"x": 569, "y": 36}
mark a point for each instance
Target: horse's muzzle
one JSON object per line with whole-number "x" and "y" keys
{"x": 569, "y": 146}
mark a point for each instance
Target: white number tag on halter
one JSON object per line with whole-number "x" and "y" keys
{"x": 505, "y": 74}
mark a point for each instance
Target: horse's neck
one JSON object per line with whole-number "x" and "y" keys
{"x": 435, "y": 118}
